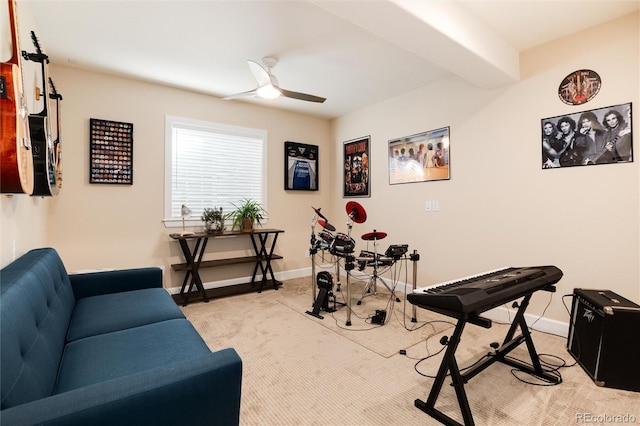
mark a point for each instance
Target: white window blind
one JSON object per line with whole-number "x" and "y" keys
{"x": 211, "y": 165}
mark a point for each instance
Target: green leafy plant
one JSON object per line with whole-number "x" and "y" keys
{"x": 213, "y": 219}
{"x": 249, "y": 211}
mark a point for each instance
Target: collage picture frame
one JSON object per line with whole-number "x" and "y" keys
{"x": 110, "y": 152}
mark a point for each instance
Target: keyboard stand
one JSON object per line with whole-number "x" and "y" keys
{"x": 450, "y": 365}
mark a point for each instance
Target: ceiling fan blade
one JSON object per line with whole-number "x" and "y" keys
{"x": 266, "y": 80}
{"x": 301, "y": 96}
{"x": 261, "y": 75}
{"x": 241, "y": 95}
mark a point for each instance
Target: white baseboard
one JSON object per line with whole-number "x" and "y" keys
{"x": 499, "y": 314}
{"x": 535, "y": 322}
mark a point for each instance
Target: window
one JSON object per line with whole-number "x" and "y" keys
{"x": 211, "y": 165}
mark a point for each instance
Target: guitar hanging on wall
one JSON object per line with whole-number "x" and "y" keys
{"x": 56, "y": 131}
{"x": 16, "y": 160}
{"x": 44, "y": 157}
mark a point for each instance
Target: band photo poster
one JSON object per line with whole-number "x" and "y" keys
{"x": 301, "y": 166}
{"x": 597, "y": 136}
{"x": 420, "y": 157}
{"x": 356, "y": 167}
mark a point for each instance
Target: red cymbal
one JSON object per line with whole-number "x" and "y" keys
{"x": 375, "y": 235}
{"x": 327, "y": 225}
{"x": 318, "y": 213}
{"x": 356, "y": 212}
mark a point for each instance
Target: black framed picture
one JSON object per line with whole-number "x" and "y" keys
{"x": 356, "y": 167}
{"x": 300, "y": 166}
{"x": 597, "y": 136}
{"x": 110, "y": 152}
{"x": 420, "y": 157}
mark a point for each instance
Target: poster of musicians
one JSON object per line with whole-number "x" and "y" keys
{"x": 598, "y": 136}
{"x": 420, "y": 157}
{"x": 356, "y": 167}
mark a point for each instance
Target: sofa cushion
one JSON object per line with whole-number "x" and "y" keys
{"x": 119, "y": 311}
{"x": 36, "y": 303}
{"x": 115, "y": 281}
{"x": 108, "y": 356}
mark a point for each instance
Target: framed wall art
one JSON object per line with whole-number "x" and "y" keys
{"x": 356, "y": 167}
{"x": 110, "y": 152}
{"x": 420, "y": 157}
{"x": 300, "y": 166}
{"x": 597, "y": 136}
{"x": 579, "y": 87}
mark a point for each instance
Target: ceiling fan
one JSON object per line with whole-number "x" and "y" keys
{"x": 268, "y": 86}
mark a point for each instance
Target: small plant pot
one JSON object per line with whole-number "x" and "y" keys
{"x": 247, "y": 225}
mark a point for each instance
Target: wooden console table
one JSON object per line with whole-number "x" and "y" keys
{"x": 262, "y": 258}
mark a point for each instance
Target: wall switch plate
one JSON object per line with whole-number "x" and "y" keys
{"x": 435, "y": 205}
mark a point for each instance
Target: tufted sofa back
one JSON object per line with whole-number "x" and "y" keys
{"x": 36, "y": 302}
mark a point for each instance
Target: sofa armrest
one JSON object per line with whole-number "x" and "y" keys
{"x": 204, "y": 390}
{"x": 107, "y": 282}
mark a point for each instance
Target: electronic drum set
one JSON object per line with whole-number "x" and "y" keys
{"x": 342, "y": 246}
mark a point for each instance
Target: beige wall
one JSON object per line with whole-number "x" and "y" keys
{"x": 115, "y": 226}
{"x": 500, "y": 208}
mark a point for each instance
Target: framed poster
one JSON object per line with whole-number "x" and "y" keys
{"x": 356, "y": 168}
{"x": 300, "y": 166}
{"x": 110, "y": 152}
{"x": 420, "y": 157}
{"x": 597, "y": 136}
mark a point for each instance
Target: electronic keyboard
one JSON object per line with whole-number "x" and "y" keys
{"x": 484, "y": 291}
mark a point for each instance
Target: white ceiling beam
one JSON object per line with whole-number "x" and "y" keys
{"x": 441, "y": 32}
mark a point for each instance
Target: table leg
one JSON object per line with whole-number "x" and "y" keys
{"x": 185, "y": 298}
{"x": 193, "y": 259}
{"x": 258, "y": 264}
{"x": 262, "y": 255}
{"x": 268, "y": 259}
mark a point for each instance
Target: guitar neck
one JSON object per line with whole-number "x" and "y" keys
{"x": 606, "y": 149}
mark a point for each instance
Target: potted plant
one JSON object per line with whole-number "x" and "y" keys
{"x": 213, "y": 220}
{"x": 246, "y": 214}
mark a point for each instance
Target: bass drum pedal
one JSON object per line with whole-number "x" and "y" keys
{"x": 324, "y": 281}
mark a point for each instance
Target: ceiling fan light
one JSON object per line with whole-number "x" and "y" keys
{"x": 268, "y": 92}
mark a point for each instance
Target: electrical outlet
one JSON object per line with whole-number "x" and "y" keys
{"x": 306, "y": 253}
{"x": 427, "y": 206}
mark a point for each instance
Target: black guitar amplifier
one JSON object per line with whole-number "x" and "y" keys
{"x": 604, "y": 338}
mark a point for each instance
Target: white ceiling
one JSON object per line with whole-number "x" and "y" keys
{"x": 354, "y": 53}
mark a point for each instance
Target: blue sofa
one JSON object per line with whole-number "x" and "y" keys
{"x": 105, "y": 348}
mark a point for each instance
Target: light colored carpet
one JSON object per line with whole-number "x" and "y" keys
{"x": 398, "y": 332}
{"x": 300, "y": 370}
